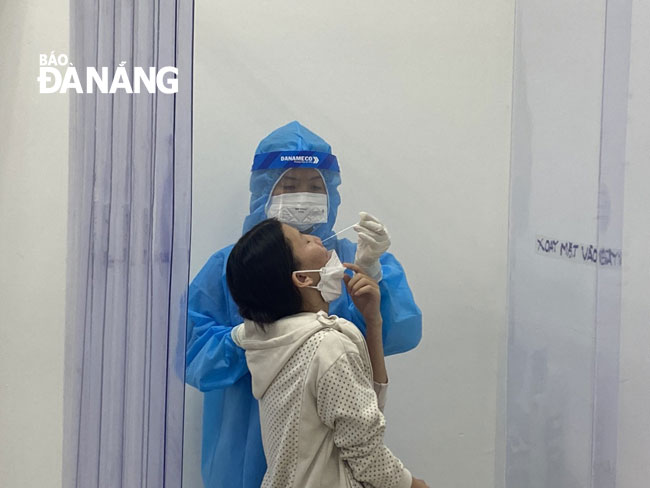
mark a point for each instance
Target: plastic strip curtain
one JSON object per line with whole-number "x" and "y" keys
{"x": 570, "y": 98}
{"x": 128, "y": 250}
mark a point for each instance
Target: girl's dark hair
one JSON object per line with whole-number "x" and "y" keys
{"x": 259, "y": 274}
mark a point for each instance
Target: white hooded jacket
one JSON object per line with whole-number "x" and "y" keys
{"x": 321, "y": 423}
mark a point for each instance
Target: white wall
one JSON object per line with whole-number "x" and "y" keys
{"x": 33, "y": 213}
{"x": 414, "y": 98}
{"x": 634, "y": 388}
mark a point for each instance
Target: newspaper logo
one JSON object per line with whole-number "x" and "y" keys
{"x": 58, "y": 75}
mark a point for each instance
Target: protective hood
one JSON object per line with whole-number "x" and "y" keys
{"x": 282, "y": 150}
{"x": 268, "y": 351}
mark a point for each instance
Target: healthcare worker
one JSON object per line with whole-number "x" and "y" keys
{"x": 294, "y": 178}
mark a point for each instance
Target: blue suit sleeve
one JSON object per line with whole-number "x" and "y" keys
{"x": 402, "y": 318}
{"x": 213, "y": 360}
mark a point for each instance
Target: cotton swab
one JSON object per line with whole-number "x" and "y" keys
{"x": 325, "y": 240}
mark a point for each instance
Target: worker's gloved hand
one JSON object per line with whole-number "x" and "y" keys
{"x": 373, "y": 241}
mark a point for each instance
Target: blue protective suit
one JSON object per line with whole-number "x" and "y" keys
{"x": 232, "y": 453}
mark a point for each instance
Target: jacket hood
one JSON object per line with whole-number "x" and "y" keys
{"x": 268, "y": 351}
{"x": 291, "y": 138}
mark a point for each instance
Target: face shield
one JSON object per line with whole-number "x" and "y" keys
{"x": 295, "y": 178}
{"x": 300, "y": 193}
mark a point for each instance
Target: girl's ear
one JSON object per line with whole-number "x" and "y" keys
{"x": 301, "y": 280}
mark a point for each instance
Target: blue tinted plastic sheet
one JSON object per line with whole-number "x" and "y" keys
{"x": 128, "y": 251}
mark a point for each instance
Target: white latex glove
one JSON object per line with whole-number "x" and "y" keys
{"x": 373, "y": 241}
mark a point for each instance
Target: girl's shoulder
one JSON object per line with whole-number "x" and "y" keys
{"x": 345, "y": 330}
{"x": 340, "y": 340}
{"x": 337, "y": 342}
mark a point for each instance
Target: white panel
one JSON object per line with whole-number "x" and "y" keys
{"x": 633, "y": 467}
{"x": 570, "y": 88}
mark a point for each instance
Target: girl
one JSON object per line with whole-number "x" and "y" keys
{"x": 320, "y": 385}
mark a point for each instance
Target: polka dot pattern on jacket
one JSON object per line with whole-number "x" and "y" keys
{"x": 280, "y": 415}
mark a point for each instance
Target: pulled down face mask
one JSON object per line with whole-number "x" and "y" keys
{"x": 331, "y": 276}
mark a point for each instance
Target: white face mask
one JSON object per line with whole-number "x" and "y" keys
{"x": 330, "y": 278}
{"x": 301, "y": 210}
